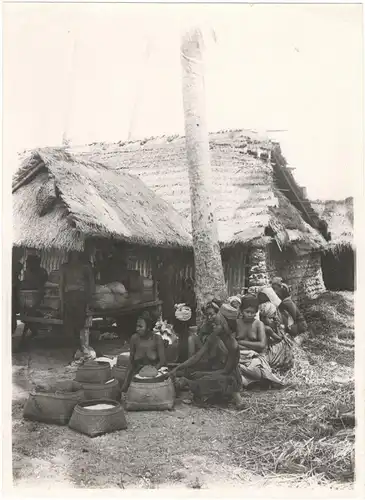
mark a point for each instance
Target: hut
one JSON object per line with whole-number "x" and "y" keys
{"x": 266, "y": 225}
{"x": 63, "y": 203}
{"x": 338, "y": 259}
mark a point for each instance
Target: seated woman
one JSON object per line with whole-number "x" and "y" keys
{"x": 279, "y": 352}
{"x": 213, "y": 369}
{"x": 146, "y": 349}
{"x": 294, "y": 321}
{"x": 252, "y": 342}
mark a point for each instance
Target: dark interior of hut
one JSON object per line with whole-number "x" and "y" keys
{"x": 338, "y": 269}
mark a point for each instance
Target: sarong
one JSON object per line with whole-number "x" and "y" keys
{"x": 280, "y": 356}
{"x": 254, "y": 367}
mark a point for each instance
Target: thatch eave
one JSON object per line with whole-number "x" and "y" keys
{"x": 92, "y": 201}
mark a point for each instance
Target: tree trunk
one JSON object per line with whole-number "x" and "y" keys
{"x": 209, "y": 276}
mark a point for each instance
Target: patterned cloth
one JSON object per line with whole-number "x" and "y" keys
{"x": 280, "y": 356}
{"x": 254, "y": 367}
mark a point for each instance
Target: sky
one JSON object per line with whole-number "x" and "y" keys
{"x": 103, "y": 72}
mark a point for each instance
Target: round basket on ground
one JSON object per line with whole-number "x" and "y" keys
{"x": 28, "y": 299}
{"x": 98, "y": 417}
{"x": 150, "y": 394}
{"x": 96, "y": 372}
{"x": 108, "y": 390}
{"x": 119, "y": 373}
{"x": 54, "y": 407}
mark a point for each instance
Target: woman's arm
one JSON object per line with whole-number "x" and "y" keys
{"x": 259, "y": 344}
{"x": 270, "y": 333}
{"x": 198, "y": 356}
{"x": 290, "y": 308}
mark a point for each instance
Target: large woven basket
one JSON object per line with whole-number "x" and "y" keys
{"x": 95, "y": 372}
{"x": 155, "y": 396}
{"x": 95, "y": 422}
{"x": 119, "y": 373}
{"x": 100, "y": 391}
{"x": 28, "y": 299}
{"x": 55, "y": 407}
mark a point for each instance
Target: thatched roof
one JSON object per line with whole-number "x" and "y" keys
{"x": 339, "y": 215}
{"x": 60, "y": 200}
{"x": 251, "y": 203}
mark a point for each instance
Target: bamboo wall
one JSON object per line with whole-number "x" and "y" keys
{"x": 235, "y": 264}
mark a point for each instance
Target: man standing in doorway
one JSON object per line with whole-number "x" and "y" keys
{"x": 76, "y": 288}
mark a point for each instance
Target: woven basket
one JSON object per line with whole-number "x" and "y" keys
{"x": 94, "y": 372}
{"x": 119, "y": 373}
{"x": 123, "y": 359}
{"x": 28, "y": 299}
{"x": 155, "y": 396}
{"x": 55, "y": 407}
{"x": 100, "y": 391}
{"x": 95, "y": 422}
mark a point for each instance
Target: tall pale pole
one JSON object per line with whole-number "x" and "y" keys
{"x": 209, "y": 276}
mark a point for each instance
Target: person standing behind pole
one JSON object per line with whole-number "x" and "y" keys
{"x": 76, "y": 288}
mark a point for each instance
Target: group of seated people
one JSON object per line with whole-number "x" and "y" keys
{"x": 223, "y": 359}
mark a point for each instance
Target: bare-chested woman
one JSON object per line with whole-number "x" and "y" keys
{"x": 213, "y": 370}
{"x": 146, "y": 349}
{"x": 252, "y": 342}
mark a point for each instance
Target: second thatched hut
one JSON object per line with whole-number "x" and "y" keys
{"x": 266, "y": 225}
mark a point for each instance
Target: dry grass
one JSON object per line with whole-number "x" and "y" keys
{"x": 291, "y": 437}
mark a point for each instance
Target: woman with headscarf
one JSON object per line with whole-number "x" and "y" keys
{"x": 230, "y": 310}
{"x": 254, "y": 366}
{"x": 279, "y": 351}
{"x": 213, "y": 370}
{"x": 294, "y": 321}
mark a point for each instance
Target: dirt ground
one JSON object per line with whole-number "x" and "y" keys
{"x": 201, "y": 447}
